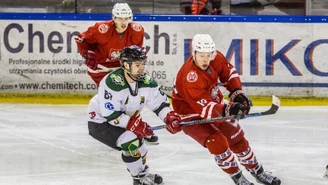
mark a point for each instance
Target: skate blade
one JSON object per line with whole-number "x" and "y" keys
{"x": 152, "y": 143}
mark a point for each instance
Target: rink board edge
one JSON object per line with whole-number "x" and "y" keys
{"x": 84, "y": 99}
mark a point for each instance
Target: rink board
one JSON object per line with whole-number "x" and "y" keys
{"x": 281, "y": 55}
{"x": 85, "y": 98}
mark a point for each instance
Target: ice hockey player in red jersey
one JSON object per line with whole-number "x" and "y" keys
{"x": 196, "y": 95}
{"x": 102, "y": 43}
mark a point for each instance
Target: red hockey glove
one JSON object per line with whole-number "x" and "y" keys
{"x": 139, "y": 127}
{"x": 90, "y": 60}
{"x": 172, "y": 121}
{"x": 233, "y": 108}
{"x": 239, "y": 96}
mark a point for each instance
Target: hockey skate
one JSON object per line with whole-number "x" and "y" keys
{"x": 152, "y": 140}
{"x": 265, "y": 177}
{"x": 326, "y": 174}
{"x": 146, "y": 178}
{"x": 239, "y": 179}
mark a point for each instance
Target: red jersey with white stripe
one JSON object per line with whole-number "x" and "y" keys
{"x": 197, "y": 94}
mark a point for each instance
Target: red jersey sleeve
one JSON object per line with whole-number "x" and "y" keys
{"x": 228, "y": 75}
{"x": 86, "y": 40}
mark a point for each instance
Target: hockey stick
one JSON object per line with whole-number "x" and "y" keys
{"x": 195, "y": 122}
{"x": 273, "y": 109}
{"x": 105, "y": 68}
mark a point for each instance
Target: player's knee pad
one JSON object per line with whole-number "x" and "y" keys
{"x": 217, "y": 143}
{"x": 131, "y": 150}
{"x": 240, "y": 146}
{"x": 132, "y": 147}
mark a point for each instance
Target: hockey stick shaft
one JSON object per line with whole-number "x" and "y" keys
{"x": 105, "y": 68}
{"x": 195, "y": 122}
{"x": 273, "y": 109}
{"x": 210, "y": 120}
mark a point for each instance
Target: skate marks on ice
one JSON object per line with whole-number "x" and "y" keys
{"x": 49, "y": 144}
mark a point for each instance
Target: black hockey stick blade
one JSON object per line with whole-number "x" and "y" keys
{"x": 273, "y": 109}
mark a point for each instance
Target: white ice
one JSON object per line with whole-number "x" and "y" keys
{"x": 50, "y": 145}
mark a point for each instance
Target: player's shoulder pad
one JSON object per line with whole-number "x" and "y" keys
{"x": 219, "y": 54}
{"x": 148, "y": 82}
{"x": 220, "y": 60}
{"x": 136, "y": 27}
{"x": 115, "y": 81}
{"x": 103, "y": 26}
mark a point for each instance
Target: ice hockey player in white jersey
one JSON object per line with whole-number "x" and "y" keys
{"x": 114, "y": 117}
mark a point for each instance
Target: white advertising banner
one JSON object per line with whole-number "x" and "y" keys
{"x": 285, "y": 59}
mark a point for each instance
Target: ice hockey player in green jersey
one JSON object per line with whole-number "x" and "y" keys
{"x": 114, "y": 117}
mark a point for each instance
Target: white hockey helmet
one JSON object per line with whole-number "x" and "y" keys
{"x": 122, "y": 10}
{"x": 203, "y": 43}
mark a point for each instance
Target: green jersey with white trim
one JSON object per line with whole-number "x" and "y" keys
{"x": 117, "y": 100}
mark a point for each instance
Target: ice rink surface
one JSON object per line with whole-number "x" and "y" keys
{"x": 50, "y": 145}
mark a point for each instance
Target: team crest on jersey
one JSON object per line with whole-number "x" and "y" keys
{"x": 136, "y": 27}
{"x": 114, "y": 55}
{"x": 192, "y": 76}
{"x": 117, "y": 79}
{"x": 103, "y": 28}
{"x": 214, "y": 92}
